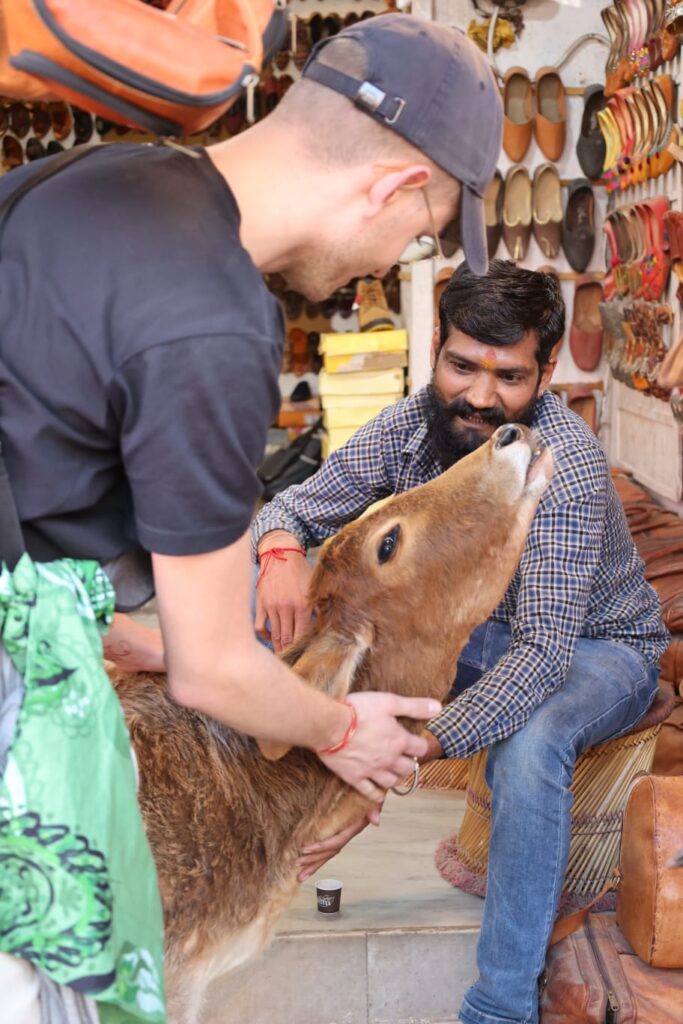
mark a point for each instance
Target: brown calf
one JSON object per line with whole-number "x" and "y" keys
{"x": 396, "y": 594}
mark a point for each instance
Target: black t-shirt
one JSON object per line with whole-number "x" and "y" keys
{"x": 139, "y": 357}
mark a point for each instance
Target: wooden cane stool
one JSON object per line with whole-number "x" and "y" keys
{"x": 446, "y": 773}
{"x": 601, "y": 779}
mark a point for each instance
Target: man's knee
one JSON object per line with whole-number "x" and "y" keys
{"x": 536, "y": 754}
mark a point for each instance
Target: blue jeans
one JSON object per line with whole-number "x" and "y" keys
{"x": 608, "y": 688}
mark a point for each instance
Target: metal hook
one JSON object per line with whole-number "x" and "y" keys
{"x": 558, "y": 64}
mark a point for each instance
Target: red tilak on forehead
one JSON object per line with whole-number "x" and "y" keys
{"x": 489, "y": 362}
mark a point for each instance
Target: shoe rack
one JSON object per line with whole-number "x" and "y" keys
{"x": 550, "y": 28}
{"x": 643, "y": 315}
{"x": 638, "y": 431}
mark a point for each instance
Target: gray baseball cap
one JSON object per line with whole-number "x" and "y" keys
{"x": 434, "y": 87}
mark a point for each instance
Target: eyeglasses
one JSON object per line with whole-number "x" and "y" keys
{"x": 432, "y": 225}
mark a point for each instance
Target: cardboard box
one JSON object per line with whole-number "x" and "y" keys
{"x": 355, "y": 362}
{"x": 368, "y": 341}
{"x": 379, "y": 382}
{"x": 336, "y": 438}
{"x": 351, "y": 417}
{"x": 353, "y": 401}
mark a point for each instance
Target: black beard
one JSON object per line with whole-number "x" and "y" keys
{"x": 450, "y": 442}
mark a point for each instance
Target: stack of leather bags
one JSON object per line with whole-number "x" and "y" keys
{"x": 658, "y": 536}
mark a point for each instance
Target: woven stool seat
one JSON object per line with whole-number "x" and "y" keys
{"x": 447, "y": 773}
{"x": 601, "y": 780}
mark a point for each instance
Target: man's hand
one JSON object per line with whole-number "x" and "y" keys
{"x": 434, "y": 748}
{"x": 133, "y": 647}
{"x": 282, "y": 592}
{"x": 381, "y": 752}
{"x": 314, "y": 856}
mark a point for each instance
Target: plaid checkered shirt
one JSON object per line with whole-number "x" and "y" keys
{"x": 579, "y": 576}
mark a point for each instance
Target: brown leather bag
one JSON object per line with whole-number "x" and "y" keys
{"x": 669, "y": 747}
{"x": 593, "y": 976}
{"x": 671, "y": 665}
{"x": 600, "y": 973}
{"x": 171, "y": 72}
{"x": 650, "y": 903}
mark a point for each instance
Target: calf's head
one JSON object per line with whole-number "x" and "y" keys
{"x": 397, "y": 593}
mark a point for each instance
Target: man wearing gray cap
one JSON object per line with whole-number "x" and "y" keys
{"x": 139, "y": 365}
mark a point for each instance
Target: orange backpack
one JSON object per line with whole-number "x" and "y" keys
{"x": 171, "y": 72}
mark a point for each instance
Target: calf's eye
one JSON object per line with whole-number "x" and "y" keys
{"x": 387, "y": 545}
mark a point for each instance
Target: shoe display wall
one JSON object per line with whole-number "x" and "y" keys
{"x": 621, "y": 202}
{"x": 639, "y": 122}
{"x": 546, "y": 205}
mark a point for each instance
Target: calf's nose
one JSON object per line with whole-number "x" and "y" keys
{"x": 508, "y": 435}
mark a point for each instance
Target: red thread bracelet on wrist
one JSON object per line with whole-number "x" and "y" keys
{"x": 276, "y": 553}
{"x": 346, "y": 738}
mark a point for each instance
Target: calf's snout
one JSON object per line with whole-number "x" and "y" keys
{"x": 507, "y": 435}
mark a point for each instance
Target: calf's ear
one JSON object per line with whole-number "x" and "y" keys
{"x": 327, "y": 661}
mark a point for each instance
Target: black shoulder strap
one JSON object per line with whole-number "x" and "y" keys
{"x": 11, "y": 539}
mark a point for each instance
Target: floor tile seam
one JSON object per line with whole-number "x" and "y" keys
{"x": 465, "y": 929}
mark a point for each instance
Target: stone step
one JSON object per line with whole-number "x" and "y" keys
{"x": 401, "y": 950}
{"x": 381, "y": 977}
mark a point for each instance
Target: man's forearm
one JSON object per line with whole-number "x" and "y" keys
{"x": 278, "y": 539}
{"x": 133, "y": 647}
{"x": 497, "y": 705}
{"x": 277, "y": 518}
{"x": 255, "y": 693}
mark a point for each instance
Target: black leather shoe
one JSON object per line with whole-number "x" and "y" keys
{"x": 590, "y": 148}
{"x": 578, "y": 228}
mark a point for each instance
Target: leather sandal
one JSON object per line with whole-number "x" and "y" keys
{"x": 637, "y": 172}
{"x": 547, "y": 209}
{"x": 636, "y": 20}
{"x": 670, "y": 32}
{"x": 673, "y": 231}
{"x": 662, "y": 91}
{"x": 615, "y": 30}
{"x": 610, "y": 131}
{"x": 623, "y": 66}
{"x": 656, "y": 265}
{"x": 517, "y": 122}
{"x": 551, "y": 112}
{"x": 517, "y": 211}
{"x": 629, "y": 131}
{"x": 578, "y": 228}
{"x": 633, "y": 228}
{"x": 625, "y": 251}
{"x": 586, "y": 331}
{"x": 612, "y": 259}
{"x": 591, "y": 147}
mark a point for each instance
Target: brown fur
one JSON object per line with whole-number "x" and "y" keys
{"x": 225, "y": 824}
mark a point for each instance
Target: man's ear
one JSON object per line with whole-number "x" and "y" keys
{"x": 436, "y": 344}
{"x": 327, "y": 661}
{"x": 392, "y": 180}
{"x": 549, "y": 370}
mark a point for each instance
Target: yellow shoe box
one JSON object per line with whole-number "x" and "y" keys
{"x": 364, "y": 341}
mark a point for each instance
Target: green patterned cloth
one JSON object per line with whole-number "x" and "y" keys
{"x": 78, "y": 890}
